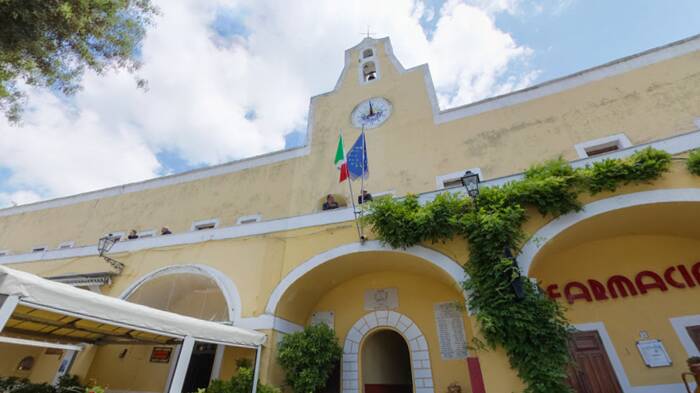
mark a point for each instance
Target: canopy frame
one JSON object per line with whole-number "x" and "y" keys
{"x": 17, "y": 302}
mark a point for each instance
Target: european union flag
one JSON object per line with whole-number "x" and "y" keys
{"x": 357, "y": 159}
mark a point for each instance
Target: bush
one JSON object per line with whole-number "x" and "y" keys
{"x": 308, "y": 357}
{"x": 694, "y": 162}
{"x": 242, "y": 382}
{"x": 66, "y": 384}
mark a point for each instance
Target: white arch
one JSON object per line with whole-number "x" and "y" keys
{"x": 417, "y": 345}
{"x": 446, "y": 264}
{"x": 552, "y": 229}
{"x": 228, "y": 288}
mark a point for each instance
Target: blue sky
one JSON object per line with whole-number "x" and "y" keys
{"x": 587, "y": 33}
{"x": 208, "y": 104}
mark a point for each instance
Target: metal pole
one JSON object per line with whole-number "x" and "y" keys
{"x": 256, "y": 373}
{"x": 362, "y": 183}
{"x": 352, "y": 196}
{"x": 8, "y": 303}
{"x": 183, "y": 362}
{"x": 218, "y": 358}
{"x": 64, "y": 366}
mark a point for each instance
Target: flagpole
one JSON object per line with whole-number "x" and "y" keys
{"x": 362, "y": 183}
{"x": 352, "y": 196}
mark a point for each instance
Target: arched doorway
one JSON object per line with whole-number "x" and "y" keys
{"x": 197, "y": 291}
{"x": 361, "y": 288}
{"x": 386, "y": 363}
{"x": 624, "y": 269}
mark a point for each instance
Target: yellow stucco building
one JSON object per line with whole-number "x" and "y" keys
{"x": 251, "y": 246}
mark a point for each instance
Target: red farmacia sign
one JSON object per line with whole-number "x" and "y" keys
{"x": 679, "y": 276}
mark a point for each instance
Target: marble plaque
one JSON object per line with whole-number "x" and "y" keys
{"x": 381, "y": 299}
{"x": 450, "y": 327}
{"x": 323, "y": 317}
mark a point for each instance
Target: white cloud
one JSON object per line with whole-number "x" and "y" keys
{"x": 201, "y": 86}
{"x": 18, "y": 198}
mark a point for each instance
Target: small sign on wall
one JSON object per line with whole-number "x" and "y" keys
{"x": 161, "y": 354}
{"x": 381, "y": 299}
{"x": 653, "y": 353}
{"x": 323, "y": 317}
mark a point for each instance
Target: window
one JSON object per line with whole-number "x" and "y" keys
{"x": 39, "y": 249}
{"x": 694, "y": 333}
{"x": 454, "y": 179}
{"x": 369, "y": 71}
{"x": 148, "y": 233}
{"x": 65, "y": 245}
{"x": 369, "y": 52}
{"x": 118, "y": 235}
{"x": 602, "y": 145}
{"x": 249, "y": 219}
{"x": 26, "y": 363}
{"x": 205, "y": 224}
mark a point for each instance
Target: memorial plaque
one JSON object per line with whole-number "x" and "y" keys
{"x": 653, "y": 353}
{"x": 323, "y": 317}
{"x": 450, "y": 327}
{"x": 381, "y": 299}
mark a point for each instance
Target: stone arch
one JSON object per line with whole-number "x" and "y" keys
{"x": 421, "y": 371}
{"x": 548, "y": 232}
{"x": 443, "y": 262}
{"x": 227, "y": 287}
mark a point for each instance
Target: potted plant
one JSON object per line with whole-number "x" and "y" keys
{"x": 694, "y": 366}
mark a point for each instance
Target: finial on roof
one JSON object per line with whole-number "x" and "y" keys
{"x": 368, "y": 33}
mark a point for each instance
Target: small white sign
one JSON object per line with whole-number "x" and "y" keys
{"x": 450, "y": 327}
{"x": 326, "y": 317}
{"x": 381, "y": 299}
{"x": 654, "y": 353}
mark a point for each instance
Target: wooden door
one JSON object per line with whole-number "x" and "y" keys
{"x": 694, "y": 333}
{"x": 591, "y": 371}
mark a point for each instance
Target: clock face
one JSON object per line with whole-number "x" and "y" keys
{"x": 371, "y": 113}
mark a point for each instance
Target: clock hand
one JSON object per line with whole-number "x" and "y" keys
{"x": 371, "y": 111}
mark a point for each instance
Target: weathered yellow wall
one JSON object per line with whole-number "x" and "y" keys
{"x": 11, "y": 354}
{"x": 649, "y": 103}
{"x": 229, "y": 367}
{"x": 133, "y": 372}
{"x": 45, "y": 368}
{"x": 624, "y": 318}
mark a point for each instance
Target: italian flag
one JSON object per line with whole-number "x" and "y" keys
{"x": 340, "y": 162}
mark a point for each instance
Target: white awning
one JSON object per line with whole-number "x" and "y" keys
{"x": 51, "y": 309}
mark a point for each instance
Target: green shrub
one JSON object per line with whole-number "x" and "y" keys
{"x": 66, "y": 384}
{"x": 308, "y": 357}
{"x": 694, "y": 162}
{"x": 242, "y": 382}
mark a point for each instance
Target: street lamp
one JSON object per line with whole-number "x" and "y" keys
{"x": 470, "y": 181}
{"x": 104, "y": 245}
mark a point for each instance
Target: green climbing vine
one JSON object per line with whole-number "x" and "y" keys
{"x": 531, "y": 328}
{"x": 693, "y": 162}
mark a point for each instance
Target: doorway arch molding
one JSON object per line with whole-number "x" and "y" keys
{"x": 552, "y": 229}
{"x": 447, "y": 265}
{"x": 421, "y": 371}
{"x": 227, "y": 287}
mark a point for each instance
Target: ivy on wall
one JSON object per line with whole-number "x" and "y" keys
{"x": 531, "y": 328}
